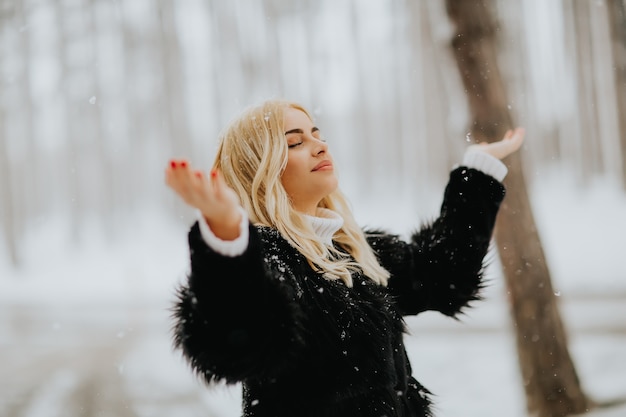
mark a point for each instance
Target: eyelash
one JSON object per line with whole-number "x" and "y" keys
{"x": 300, "y": 143}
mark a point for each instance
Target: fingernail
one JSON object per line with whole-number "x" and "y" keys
{"x": 199, "y": 174}
{"x": 183, "y": 164}
{"x": 173, "y": 164}
{"x": 213, "y": 173}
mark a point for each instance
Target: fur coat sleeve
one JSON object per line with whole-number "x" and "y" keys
{"x": 441, "y": 267}
{"x": 234, "y": 317}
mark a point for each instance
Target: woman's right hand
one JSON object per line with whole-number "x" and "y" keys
{"x": 217, "y": 202}
{"x": 510, "y": 143}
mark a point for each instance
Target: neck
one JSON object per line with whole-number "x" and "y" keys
{"x": 308, "y": 209}
{"x": 325, "y": 223}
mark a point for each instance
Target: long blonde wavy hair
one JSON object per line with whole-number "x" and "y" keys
{"x": 252, "y": 156}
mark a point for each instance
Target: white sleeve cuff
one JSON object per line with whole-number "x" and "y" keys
{"x": 229, "y": 248}
{"x": 486, "y": 163}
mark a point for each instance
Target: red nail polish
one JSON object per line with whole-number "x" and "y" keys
{"x": 213, "y": 173}
{"x": 173, "y": 164}
{"x": 183, "y": 164}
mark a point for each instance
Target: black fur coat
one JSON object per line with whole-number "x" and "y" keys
{"x": 306, "y": 346}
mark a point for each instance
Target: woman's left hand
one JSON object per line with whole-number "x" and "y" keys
{"x": 511, "y": 142}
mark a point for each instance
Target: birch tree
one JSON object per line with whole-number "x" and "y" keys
{"x": 6, "y": 192}
{"x": 617, "y": 24}
{"x": 173, "y": 99}
{"x": 550, "y": 379}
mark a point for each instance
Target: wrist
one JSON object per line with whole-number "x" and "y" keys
{"x": 226, "y": 227}
{"x": 486, "y": 163}
{"x": 230, "y": 248}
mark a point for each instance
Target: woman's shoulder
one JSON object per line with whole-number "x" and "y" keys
{"x": 269, "y": 236}
{"x": 273, "y": 244}
{"x": 267, "y": 231}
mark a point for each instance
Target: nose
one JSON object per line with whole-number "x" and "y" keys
{"x": 320, "y": 147}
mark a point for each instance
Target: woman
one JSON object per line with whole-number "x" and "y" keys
{"x": 289, "y": 296}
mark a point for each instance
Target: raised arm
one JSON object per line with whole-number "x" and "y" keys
{"x": 441, "y": 267}
{"x": 234, "y": 315}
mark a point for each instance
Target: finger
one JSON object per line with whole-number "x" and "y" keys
{"x": 222, "y": 189}
{"x": 168, "y": 176}
{"x": 519, "y": 135}
{"x": 216, "y": 181}
{"x": 181, "y": 177}
{"x": 514, "y": 142}
{"x": 182, "y": 167}
{"x": 174, "y": 169}
{"x": 198, "y": 187}
{"x": 186, "y": 172}
{"x": 179, "y": 165}
{"x": 171, "y": 172}
{"x": 508, "y": 134}
{"x": 199, "y": 181}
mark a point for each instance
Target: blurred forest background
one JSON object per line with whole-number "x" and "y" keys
{"x": 96, "y": 95}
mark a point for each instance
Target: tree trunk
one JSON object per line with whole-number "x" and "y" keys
{"x": 550, "y": 379}
{"x": 617, "y": 24}
{"x": 26, "y": 195}
{"x": 74, "y": 113}
{"x": 363, "y": 125}
{"x": 173, "y": 98}
{"x": 105, "y": 199}
{"x": 587, "y": 94}
{"x": 6, "y": 194}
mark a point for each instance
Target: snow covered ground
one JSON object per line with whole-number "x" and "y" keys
{"x": 84, "y": 329}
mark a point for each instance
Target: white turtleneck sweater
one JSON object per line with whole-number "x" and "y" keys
{"x": 326, "y": 222}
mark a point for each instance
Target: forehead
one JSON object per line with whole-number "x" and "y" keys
{"x": 294, "y": 117}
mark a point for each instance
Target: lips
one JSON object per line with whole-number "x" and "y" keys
{"x": 324, "y": 165}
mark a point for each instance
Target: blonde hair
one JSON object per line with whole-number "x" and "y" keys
{"x": 252, "y": 156}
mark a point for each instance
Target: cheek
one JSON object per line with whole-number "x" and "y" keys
{"x": 296, "y": 164}
{"x": 290, "y": 175}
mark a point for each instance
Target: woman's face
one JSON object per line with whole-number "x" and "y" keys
{"x": 309, "y": 175}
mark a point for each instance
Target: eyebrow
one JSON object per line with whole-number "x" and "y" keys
{"x": 313, "y": 129}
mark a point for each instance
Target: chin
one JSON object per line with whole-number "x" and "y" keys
{"x": 334, "y": 186}
{"x": 324, "y": 189}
